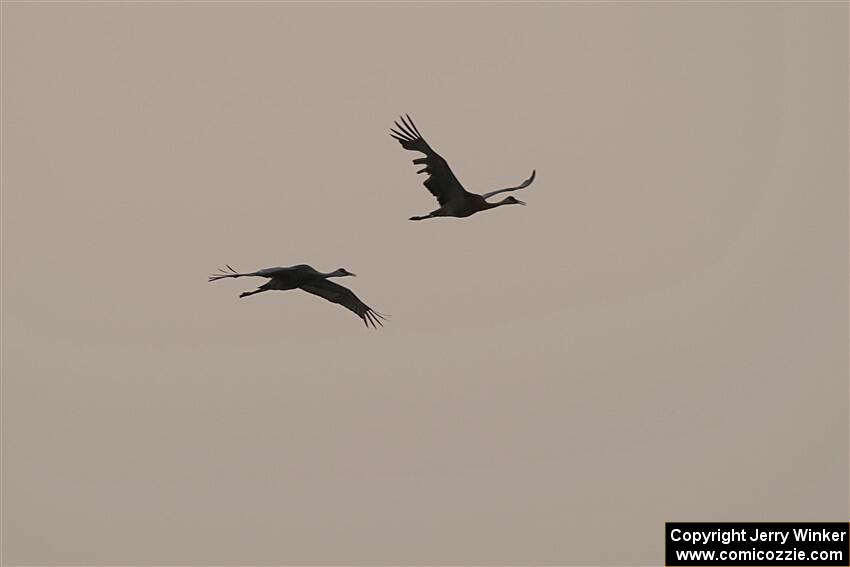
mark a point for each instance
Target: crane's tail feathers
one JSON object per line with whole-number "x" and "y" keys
{"x": 226, "y": 272}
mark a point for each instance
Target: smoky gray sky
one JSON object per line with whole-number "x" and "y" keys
{"x": 660, "y": 335}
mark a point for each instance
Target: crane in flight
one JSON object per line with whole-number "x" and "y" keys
{"x": 312, "y": 281}
{"x": 454, "y": 200}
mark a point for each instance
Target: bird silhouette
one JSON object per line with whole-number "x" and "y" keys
{"x": 312, "y": 281}
{"x": 455, "y": 201}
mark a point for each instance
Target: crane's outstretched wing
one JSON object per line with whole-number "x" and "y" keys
{"x": 342, "y": 295}
{"x": 441, "y": 182}
{"x": 522, "y": 185}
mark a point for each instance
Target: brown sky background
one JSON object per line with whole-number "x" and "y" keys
{"x": 662, "y": 334}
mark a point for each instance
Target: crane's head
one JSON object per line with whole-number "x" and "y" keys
{"x": 512, "y": 201}
{"x": 342, "y": 272}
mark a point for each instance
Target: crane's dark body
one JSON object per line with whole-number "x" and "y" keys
{"x": 282, "y": 279}
{"x": 312, "y": 281}
{"x": 468, "y": 206}
{"x": 454, "y": 200}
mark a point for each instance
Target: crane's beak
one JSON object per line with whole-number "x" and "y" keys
{"x": 521, "y": 202}
{"x": 350, "y": 274}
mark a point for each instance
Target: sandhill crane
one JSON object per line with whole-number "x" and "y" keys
{"x": 310, "y": 280}
{"x": 455, "y": 201}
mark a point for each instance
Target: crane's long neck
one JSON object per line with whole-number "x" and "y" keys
{"x": 489, "y": 205}
{"x": 334, "y": 274}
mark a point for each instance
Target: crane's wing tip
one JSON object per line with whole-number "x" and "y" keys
{"x": 372, "y": 317}
{"x": 398, "y": 136}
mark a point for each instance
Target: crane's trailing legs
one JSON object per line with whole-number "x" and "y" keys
{"x": 226, "y": 273}
{"x": 231, "y": 273}
{"x": 428, "y": 216}
{"x": 247, "y": 293}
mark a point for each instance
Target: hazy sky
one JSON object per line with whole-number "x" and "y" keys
{"x": 661, "y": 335}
